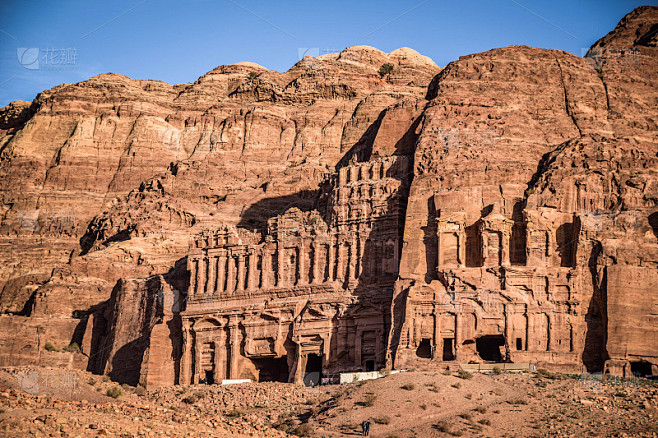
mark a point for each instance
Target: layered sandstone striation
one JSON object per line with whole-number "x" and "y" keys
{"x": 503, "y": 208}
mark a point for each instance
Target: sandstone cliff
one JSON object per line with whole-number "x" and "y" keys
{"x": 106, "y": 181}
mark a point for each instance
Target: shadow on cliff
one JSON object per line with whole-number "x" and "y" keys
{"x": 378, "y": 270}
{"x": 653, "y": 221}
{"x": 118, "y": 341}
{"x": 256, "y": 216}
{"x": 594, "y": 351}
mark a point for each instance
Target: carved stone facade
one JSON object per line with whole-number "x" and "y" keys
{"x": 310, "y": 296}
{"x": 486, "y": 308}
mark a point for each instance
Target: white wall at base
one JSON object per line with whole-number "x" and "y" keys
{"x": 365, "y": 375}
{"x": 489, "y": 367}
{"x": 234, "y": 381}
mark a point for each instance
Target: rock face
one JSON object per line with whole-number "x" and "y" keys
{"x": 504, "y": 208}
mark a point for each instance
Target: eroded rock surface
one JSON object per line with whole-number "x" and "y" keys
{"x": 503, "y": 208}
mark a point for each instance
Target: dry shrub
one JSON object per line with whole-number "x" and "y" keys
{"x": 464, "y": 374}
{"x": 445, "y": 427}
{"x": 408, "y": 386}
{"x": 517, "y": 401}
{"x": 190, "y": 399}
{"x": 303, "y": 430}
{"x": 51, "y": 347}
{"x": 370, "y": 399}
{"x": 384, "y": 419}
{"x": 235, "y": 413}
{"x": 114, "y": 392}
{"x": 433, "y": 387}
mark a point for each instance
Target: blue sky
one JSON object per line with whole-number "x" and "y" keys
{"x": 178, "y": 41}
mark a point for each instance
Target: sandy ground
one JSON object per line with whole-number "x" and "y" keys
{"x": 48, "y": 402}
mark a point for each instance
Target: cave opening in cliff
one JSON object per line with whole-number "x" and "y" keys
{"x": 313, "y": 371}
{"x": 640, "y": 368}
{"x": 272, "y": 369}
{"x": 424, "y": 349}
{"x": 488, "y": 347}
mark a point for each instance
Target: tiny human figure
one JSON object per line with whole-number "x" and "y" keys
{"x": 366, "y": 427}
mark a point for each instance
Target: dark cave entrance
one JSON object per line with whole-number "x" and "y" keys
{"x": 641, "y": 368}
{"x": 313, "y": 372}
{"x": 272, "y": 369}
{"x": 488, "y": 347}
{"x": 448, "y": 351}
{"x": 210, "y": 377}
{"x": 424, "y": 350}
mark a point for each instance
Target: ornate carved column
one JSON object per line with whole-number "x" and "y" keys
{"x": 331, "y": 260}
{"x": 217, "y": 347}
{"x": 360, "y": 258}
{"x": 221, "y": 271}
{"x": 212, "y": 274}
{"x": 201, "y": 275}
{"x": 437, "y": 331}
{"x": 316, "y": 260}
{"x": 186, "y": 356}
{"x": 505, "y": 250}
{"x": 235, "y": 348}
{"x": 340, "y": 262}
{"x": 302, "y": 260}
{"x": 458, "y": 334}
{"x": 193, "y": 267}
{"x": 352, "y": 260}
{"x": 231, "y": 275}
{"x": 241, "y": 272}
{"x": 266, "y": 273}
{"x": 252, "y": 276}
{"x": 280, "y": 277}
{"x": 197, "y": 359}
{"x": 509, "y": 329}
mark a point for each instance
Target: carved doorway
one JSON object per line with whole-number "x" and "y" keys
{"x": 272, "y": 369}
{"x": 313, "y": 371}
{"x": 488, "y": 347}
{"x": 448, "y": 351}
